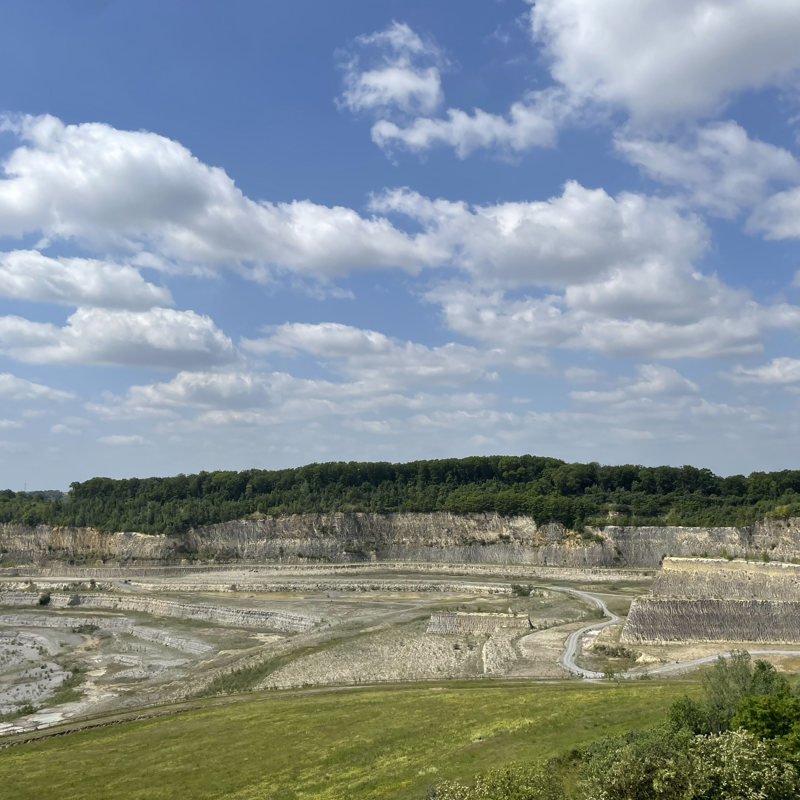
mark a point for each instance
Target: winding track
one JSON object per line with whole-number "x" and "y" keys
{"x": 567, "y": 657}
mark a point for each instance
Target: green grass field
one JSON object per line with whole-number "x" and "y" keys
{"x": 390, "y": 742}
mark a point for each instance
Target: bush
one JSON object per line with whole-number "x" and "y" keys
{"x": 44, "y": 599}
{"x": 516, "y": 782}
{"x": 631, "y": 767}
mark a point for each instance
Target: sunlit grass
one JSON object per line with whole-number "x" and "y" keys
{"x": 389, "y": 742}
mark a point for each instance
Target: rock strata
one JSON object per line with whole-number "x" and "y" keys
{"x": 698, "y": 600}
{"x": 461, "y": 622}
{"x": 364, "y": 537}
{"x": 233, "y": 617}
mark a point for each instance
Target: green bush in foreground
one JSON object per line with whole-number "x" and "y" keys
{"x": 739, "y": 741}
{"x": 517, "y": 782}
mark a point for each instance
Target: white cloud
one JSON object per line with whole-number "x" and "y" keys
{"x": 778, "y": 217}
{"x": 379, "y": 361}
{"x": 658, "y": 291}
{"x": 14, "y": 388}
{"x": 143, "y": 192}
{"x": 160, "y": 337}
{"x": 401, "y": 72}
{"x": 653, "y": 380}
{"x": 402, "y": 88}
{"x": 667, "y": 59}
{"x": 250, "y": 399}
{"x": 579, "y": 235}
{"x": 658, "y": 61}
{"x": 229, "y": 390}
{"x": 782, "y": 370}
{"x": 30, "y": 275}
{"x": 118, "y": 440}
{"x": 718, "y": 322}
{"x": 61, "y": 429}
{"x": 721, "y": 168}
{"x": 530, "y": 123}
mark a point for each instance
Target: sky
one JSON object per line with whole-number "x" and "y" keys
{"x": 260, "y": 235}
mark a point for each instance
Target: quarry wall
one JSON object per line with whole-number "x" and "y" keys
{"x": 662, "y": 620}
{"x": 234, "y": 617}
{"x": 361, "y": 538}
{"x": 461, "y": 622}
{"x": 717, "y": 600}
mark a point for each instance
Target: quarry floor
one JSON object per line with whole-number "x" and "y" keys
{"x": 78, "y": 662}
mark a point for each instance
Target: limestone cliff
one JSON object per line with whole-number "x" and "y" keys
{"x": 437, "y": 537}
{"x": 716, "y": 600}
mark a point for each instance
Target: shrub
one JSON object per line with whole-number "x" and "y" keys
{"x": 516, "y": 782}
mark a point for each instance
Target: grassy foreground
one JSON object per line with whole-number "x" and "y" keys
{"x": 372, "y": 743}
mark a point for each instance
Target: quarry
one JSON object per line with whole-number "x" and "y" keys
{"x": 717, "y": 600}
{"x": 94, "y": 625}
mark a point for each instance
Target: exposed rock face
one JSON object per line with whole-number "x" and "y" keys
{"x": 438, "y": 537}
{"x": 722, "y": 579}
{"x": 233, "y": 617}
{"x": 718, "y": 601}
{"x": 658, "y": 619}
{"x": 461, "y": 622}
{"x": 120, "y": 624}
{"x": 41, "y": 543}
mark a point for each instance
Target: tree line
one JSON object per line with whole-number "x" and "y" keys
{"x": 546, "y": 489}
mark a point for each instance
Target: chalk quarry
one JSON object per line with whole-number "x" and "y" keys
{"x": 440, "y": 538}
{"x": 717, "y": 600}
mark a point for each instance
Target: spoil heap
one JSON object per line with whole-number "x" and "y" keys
{"x": 716, "y": 600}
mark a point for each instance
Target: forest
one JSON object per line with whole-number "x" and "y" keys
{"x": 545, "y": 489}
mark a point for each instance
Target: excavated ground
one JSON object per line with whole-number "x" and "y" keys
{"x": 71, "y": 648}
{"x": 100, "y": 646}
{"x": 74, "y": 649}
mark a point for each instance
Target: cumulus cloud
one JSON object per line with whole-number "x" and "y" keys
{"x": 782, "y": 370}
{"x": 653, "y": 380}
{"x": 778, "y": 217}
{"x": 720, "y": 168}
{"x": 392, "y": 69}
{"x": 725, "y": 325}
{"x": 659, "y": 62}
{"x": 665, "y": 60}
{"x": 199, "y": 399}
{"x": 658, "y": 291}
{"x": 396, "y": 75}
{"x": 160, "y": 338}
{"x": 282, "y": 414}
{"x": 532, "y": 122}
{"x": 571, "y": 238}
{"x": 30, "y": 275}
{"x": 143, "y": 192}
{"x": 14, "y": 388}
{"x": 377, "y": 360}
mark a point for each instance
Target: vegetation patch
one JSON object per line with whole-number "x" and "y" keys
{"x": 372, "y": 743}
{"x": 546, "y": 489}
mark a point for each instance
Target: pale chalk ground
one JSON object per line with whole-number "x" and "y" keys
{"x": 162, "y": 659}
{"x": 381, "y": 638}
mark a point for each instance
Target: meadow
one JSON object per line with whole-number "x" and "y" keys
{"x": 378, "y": 742}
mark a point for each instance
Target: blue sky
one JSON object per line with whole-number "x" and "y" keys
{"x": 260, "y": 235}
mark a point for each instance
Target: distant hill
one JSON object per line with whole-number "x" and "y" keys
{"x": 545, "y": 489}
